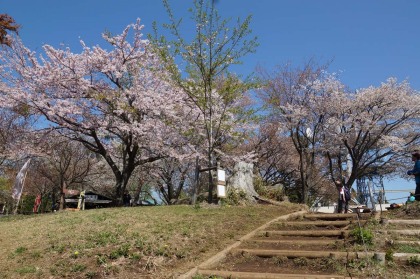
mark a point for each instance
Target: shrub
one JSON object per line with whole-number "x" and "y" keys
{"x": 362, "y": 236}
{"x": 271, "y": 192}
{"x": 235, "y": 197}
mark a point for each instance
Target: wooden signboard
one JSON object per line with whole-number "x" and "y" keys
{"x": 221, "y": 191}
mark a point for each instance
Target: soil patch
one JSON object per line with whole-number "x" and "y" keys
{"x": 304, "y": 246}
{"x": 407, "y": 211}
{"x": 249, "y": 263}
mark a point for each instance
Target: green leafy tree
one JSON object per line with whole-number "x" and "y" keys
{"x": 206, "y": 74}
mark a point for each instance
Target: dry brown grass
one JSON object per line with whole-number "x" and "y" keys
{"x": 139, "y": 242}
{"x": 407, "y": 211}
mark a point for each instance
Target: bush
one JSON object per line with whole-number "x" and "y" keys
{"x": 235, "y": 197}
{"x": 362, "y": 236}
{"x": 270, "y": 192}
{"x": 26, "y": 204}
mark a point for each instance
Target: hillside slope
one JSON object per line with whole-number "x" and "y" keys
{"x": 141, "y": 242}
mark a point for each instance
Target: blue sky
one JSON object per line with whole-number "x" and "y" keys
{"x": 369, "y": 41}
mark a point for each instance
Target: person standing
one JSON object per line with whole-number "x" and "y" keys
{"x": 37, "y": 203}
{"x": 343, "y": 198}
{"x": 127, "y": 199}
{"x": 415, "y": 157}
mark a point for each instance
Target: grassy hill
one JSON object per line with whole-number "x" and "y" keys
{"x": 136, "y": 242}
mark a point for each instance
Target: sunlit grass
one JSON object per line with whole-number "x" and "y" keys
{"x": 123, "y": 242}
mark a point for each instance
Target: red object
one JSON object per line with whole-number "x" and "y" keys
{"x": 37, "y": 203}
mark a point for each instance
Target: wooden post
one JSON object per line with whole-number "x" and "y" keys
{"x": 198, "y": 169}
{"x": 196, "y": 178}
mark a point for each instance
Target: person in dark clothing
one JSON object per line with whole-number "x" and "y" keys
{"x": 415, "y": 157}
{"x": 127, "y": 199}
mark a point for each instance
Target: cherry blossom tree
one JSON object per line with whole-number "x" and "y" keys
{"x": 65, "y": 164}
{"x": 204, "y": 73}
{"x": 119, "y": 103}
{"x": 342, "y": 135}
{"x": 172, "y": 179}
{"x": 277, "y": 161}
{"x": 292, "y": 97}
{"x": 371, "y": 130}
{"x": 8, "y": 123}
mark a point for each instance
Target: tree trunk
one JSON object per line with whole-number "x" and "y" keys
{"x": 242, "y": 179}
{"x": 53, "y": 200}
{"x": 303, "y": 177}
{"x": 121, "y": 185}
{"x": 119, "y": 192}
{"x": 62, "y": 195}
{"x": 210, "y": 177}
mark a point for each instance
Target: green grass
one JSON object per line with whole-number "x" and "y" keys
{"x": 123, "y": 242}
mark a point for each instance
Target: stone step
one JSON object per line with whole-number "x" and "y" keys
{"x": 253, "y": 275}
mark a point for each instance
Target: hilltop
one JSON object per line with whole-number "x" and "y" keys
{"x": 155, "y": 242}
